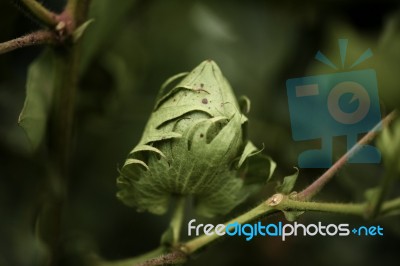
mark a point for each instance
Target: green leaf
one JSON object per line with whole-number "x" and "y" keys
{"x": 257, "y": 170}
{"x": 77, "y": 34}
{"x": 165, "y": 86}
{"x": 292, "y": 216}
{"x": 40, "y": 88}
{"x": 288, "y": 183}
{"x": 389, "y": 145}
{"x": 372, "y": 196}
{"x": 140, "y": 148}
{"x": 167, "y": 237}
{"x": 249, "y": 150}
{"x": 45, "y": 229}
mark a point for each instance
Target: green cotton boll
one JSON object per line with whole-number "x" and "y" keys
{"x": 193, "y": 145}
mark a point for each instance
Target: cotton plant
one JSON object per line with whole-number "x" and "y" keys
{"x": 194, "y": 145}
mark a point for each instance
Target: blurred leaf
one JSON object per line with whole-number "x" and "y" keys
{"x": 244, "y": 103}
{"x": 167, "y": 237}
{"x": 391, "y": 36}
{"x": 288, "y": 183}
{"x": 39, "y": 94}
{"x": 109, "y": 16}
{"x": 45, "y": 228}
{"x": 371, "y": 197}
{"x": 395, "y": 212}
{"x": 389, "y": 63}
{"x": 120, "y": 71}
{"x": 389, "y": 145}
{"x": 210, "y": 24}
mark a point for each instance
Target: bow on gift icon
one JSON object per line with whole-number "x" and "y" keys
{"x": 337, "y": 104}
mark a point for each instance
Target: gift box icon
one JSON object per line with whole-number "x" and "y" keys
{"x": 338, "y": 104}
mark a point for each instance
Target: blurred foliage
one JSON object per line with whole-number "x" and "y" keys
{"x": 128, "y": 51}
{"x": 40, "y": 84}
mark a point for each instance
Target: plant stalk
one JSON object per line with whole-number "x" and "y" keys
{"x": 277, "y": 202}
{"x": 318, "y": 184}
{"x": 197, "y": 243}
{"x": 177, "y": 220}
{"x": 61, "y": 134}
{"x": 40, "y": 12}
{"x": 280, "y": 202}
{"x": 35, "y": 38}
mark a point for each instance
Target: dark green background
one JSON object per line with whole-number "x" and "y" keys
{"x": 130, "y": 49}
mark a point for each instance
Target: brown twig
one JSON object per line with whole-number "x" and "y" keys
{"x": 318, "y": 184}
{"x": 174, "y": 257}
{"x": 35, "y": 38}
